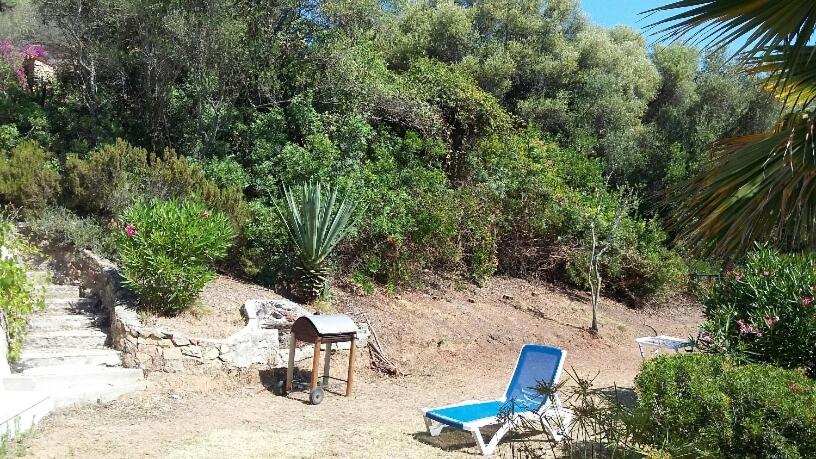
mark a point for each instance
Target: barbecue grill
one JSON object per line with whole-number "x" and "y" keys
{"x": 322, "y": 329}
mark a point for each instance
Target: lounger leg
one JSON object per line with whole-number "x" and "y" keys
{"x": 557, "y": 420}
{"x": 477, "y": 435}
{"x": 434, "y": 428}
{"x": 497, "y": 437}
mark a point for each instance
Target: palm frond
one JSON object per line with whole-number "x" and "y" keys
{"x": 759, "y": 187}
{"x": 766, "y": 26}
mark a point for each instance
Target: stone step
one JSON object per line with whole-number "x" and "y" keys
{"x": 88, "y": 338}
{"x": 56, "y": 322}
{"x": 39, "y": 278}
{"x": 70, "y": 305}
{"x": 33, "y": 358}
{"x": 52, "y": 291}
{"x": 63, "y": 377}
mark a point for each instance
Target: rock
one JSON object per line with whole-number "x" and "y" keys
{"x": 191, "y": 351}
{"x": 172, "y": 353}
{"x": 507, "y": 296}
{"x": 180, "y": 340}
{"x": 226, "y": 358}
{"x": 224, "y": 348}
{"x": 210, "y": 354}
{"x": 165, "y": 343}
{"x": 471, "y": 300}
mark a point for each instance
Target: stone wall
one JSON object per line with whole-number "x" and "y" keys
{"x": 262, "y": 342}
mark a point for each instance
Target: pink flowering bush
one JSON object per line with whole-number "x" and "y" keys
{"x": 14, "y": 59}
{"x": 167, "y": 250}
{"x": 708, "y": 406}
{"x": 763, "y": 311}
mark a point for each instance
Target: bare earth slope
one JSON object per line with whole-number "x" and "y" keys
{"x": 454, "y": 344}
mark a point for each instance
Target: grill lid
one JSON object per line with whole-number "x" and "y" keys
{"x": 331, "y": 324}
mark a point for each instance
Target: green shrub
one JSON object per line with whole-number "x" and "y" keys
{"x": 60, "y": 225}
{"x": 28, "y": 176}
{"x": 17, "y": 297}
{"x": 764, "y": 310}
{"x": 107, "y": 181}
{"x": 265, "y": 254}
{"x": 111, "y": 177}
{"x": 707, "y": 406}
{"x": 167, "y": 249}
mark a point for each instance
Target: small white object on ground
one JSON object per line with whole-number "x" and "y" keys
{"x": 663, "y": 342}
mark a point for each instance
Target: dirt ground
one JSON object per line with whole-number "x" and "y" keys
{"x": 217, "y": 314}
{"x": 454, "y": 344}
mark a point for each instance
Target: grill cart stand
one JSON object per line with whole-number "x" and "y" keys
{"x": 322, "y": 329}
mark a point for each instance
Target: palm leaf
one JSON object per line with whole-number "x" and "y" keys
{"x": 766, "y": 26}
{"x": 758, "y": 187}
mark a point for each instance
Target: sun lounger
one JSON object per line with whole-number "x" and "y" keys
{"x": 537, "y": 364}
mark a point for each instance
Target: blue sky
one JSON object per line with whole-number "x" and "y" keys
{"x": 610, "y": 13}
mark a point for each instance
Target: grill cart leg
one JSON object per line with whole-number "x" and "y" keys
{"x": 352, "y": 355}
{"x": 315, "y": 364}
{"x": 290, "y": 370}
{"x": 327, "y": 365}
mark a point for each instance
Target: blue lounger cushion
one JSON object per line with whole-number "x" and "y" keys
{"x": 457, "y": 416}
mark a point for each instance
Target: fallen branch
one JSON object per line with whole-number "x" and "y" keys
{"x": 379, "y": 360}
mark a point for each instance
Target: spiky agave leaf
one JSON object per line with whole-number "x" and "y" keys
{"x": 316, "y": 225}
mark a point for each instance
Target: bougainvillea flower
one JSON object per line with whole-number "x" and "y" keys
{"x": 746, "y": 328}
{"x": 130, "y": 230}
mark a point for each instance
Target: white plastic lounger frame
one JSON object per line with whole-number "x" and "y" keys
{"x": 555, "y": 418}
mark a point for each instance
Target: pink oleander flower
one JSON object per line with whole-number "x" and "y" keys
{"x": 705, "y": 337}
{"x": 738, "y": 276}
{"x": 806, "y": 301}
{"x": 770, "y": 321}
{"x": 746, "y": 328}
{"x": 766, "y": 273}
{"x": 130, "y": 230}
{"x": 205, "y": 215}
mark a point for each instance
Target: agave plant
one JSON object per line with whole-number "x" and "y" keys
{"x": 316, "y": 224}
{"x": 760, "y": 186}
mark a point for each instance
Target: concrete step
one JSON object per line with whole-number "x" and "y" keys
{"x": 88, "y": 338}
{"x": 33, "y": 358}
{"x": 63, "y": 377}
{"x": 70, "y": 305}
{"x": 56, "y": 322}
{"x": 94, "y": 393}
{"x": 20, "y": 411}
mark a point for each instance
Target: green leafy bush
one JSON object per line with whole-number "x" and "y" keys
{"x": 60, "y": 225}
{"x": 167, "y": 249}
{"x": 764, "y": 310}
{"x": 702, "y": 405}
{"x": 111, "y": 177}
{"x": 106, "y": 181}
{"x": 29, "y": 176}
{"x": 17, "y": 296}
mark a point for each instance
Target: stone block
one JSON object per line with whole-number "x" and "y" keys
{"x": 210, "y": 353}
{"x": 180, "y": 340}
{"x": 191, "y": 351}
{"x": 172, "y": 353}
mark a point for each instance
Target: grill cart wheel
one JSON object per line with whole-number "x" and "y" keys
{"x": 316, "y": 395}
{"x": 280, "y": 388}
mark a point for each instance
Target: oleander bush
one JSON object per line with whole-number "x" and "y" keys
{"x": 18, "y": 298}
{"x": 763, "y": 310}
{"x": 703, "y": 405}
{"x": 167, "y": 250}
